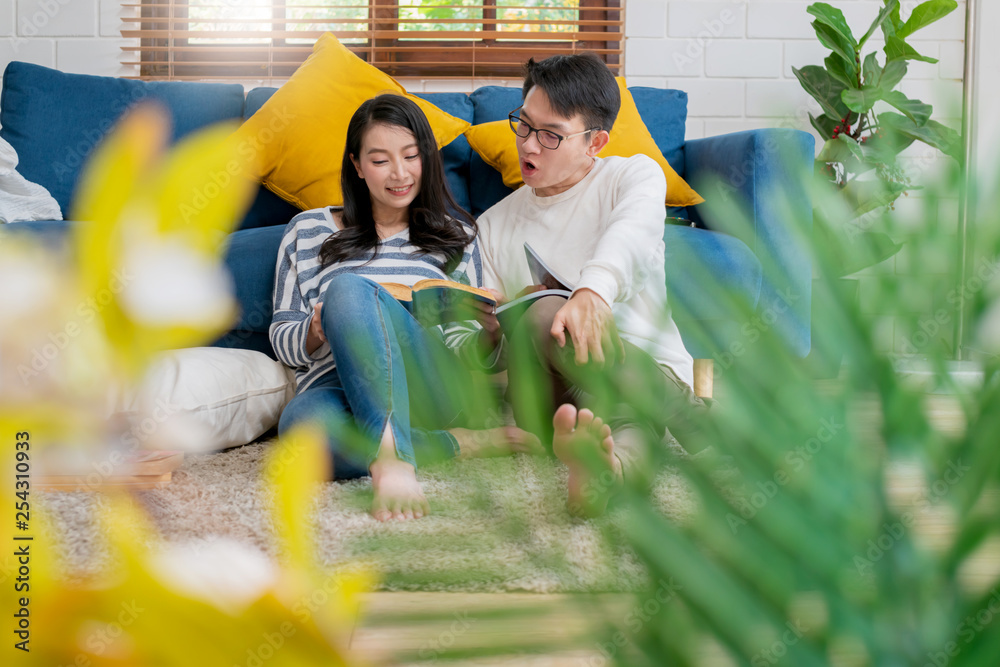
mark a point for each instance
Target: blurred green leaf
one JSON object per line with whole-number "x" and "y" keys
{"x": 824, "y": 125}
{"x": 865, "y": 196}
{"x": 915, "y": 110}
{"x": 897, "y": 49}
{"x": 891, "y": 7}
{"x": 833, "y": 40}
{"x": 861, "y": 100}
{"x": 851, "y": 249}
{"x": 925, "y": 14}
{"x": 872, "y": 70}
{"x": 839, "y": 70}
{"x": 931, "y": 133}
{"x": 843, "y": 149}
{"x": 892, "y": 74}
{"x": 830, "y": 16}
{"x": 824, "y": 88}
{"x": 893, "y": 24}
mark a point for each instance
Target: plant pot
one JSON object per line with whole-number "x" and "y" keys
{"x": 824, "y": 364}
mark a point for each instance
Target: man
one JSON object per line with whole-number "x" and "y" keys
{"x": 582, "y": 371}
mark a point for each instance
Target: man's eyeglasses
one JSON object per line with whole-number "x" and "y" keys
{"x": 546, "y": 138}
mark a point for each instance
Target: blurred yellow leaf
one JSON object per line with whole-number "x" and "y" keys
{"x": 150, "y": 247}
{"x": 293, "y": 472}
{"x": 109, "y": 184}
{"x": 202, "y": 192}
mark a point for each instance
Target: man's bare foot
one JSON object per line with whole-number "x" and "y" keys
{"x": 397, "y": 492}
{"x": 584, "y": 443}
{"x": 502, "y": 441}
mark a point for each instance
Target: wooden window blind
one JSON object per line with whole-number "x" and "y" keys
{"x": 253, "y": 39}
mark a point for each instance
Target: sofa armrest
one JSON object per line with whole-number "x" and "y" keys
{"x": 765, "y": 173}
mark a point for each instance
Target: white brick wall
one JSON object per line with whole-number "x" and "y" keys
{"x": 79, "y": 36}
{"x": 735, "y": 58}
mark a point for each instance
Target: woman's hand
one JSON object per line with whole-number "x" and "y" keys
{"x": 487, "y": 317}
{"x": 315, "y": 337}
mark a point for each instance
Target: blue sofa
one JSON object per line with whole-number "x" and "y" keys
{"x": 53, "y": 120}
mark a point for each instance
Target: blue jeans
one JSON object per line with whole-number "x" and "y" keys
{"x": 389, "y": 370}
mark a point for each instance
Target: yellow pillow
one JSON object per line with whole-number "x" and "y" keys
{"x": 495, "y": 144}
{"x": 298, "y": 135}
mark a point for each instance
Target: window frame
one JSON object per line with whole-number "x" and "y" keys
{"x": 168, "y": 58}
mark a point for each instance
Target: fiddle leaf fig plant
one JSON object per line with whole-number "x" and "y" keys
{"x": 866, "y": 122}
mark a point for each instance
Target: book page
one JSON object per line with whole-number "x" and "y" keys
{"x": 510, "y": 313}
{"x": 542, "y": 274}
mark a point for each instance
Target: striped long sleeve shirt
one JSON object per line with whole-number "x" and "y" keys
{"x": 300, "y": 281}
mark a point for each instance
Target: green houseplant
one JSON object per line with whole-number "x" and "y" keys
{"x": 866, "y": 122}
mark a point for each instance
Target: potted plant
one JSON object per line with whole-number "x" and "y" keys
{"x": 865, "y": 123}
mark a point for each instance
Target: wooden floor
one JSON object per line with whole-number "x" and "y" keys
{"x": 412, "y": 628}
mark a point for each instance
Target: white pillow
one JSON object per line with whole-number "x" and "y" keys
{"x": 20, "y": 199}
{"x": 205, "y": 398}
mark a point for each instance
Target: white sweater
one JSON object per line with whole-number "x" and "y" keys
{"x": 606, "y": 234}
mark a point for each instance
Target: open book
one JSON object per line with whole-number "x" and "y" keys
{"x": 437, "y": 301}
{"x": 541, "y": 274}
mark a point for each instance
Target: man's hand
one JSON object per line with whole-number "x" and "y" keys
{"x": 591, "y": 327}
{"x": 315, "y": 337}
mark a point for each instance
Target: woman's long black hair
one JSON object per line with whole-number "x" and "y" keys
{"x": 434, "y": 215}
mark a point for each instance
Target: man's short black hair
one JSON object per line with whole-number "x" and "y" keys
{"x": 578, "y": 84}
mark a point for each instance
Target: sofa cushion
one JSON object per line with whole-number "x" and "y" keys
{"x": 268, "y": 209}
{"x": 54, "y": 120}
{"x": 301, "y": 130}
{"x": 711, "y": 279}
{"x": 251, "y": 257}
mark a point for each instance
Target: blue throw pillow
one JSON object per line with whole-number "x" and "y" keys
{"x": 256, "y": 99}
{"x": 456, "y": 154}
{"x": 490, "y": 103}
{"x": 54, "y": 120}
{"x": 664, "y": 112}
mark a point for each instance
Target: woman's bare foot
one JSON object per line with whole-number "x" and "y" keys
{"x": 397, "y": 492}
{"x": 502, "y": 441}
{"x": 584, "y": 443}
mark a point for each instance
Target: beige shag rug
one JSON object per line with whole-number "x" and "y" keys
{"x": 496, "y": 525}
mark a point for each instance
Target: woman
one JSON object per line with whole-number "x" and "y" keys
{"x": 363, "y": 363}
